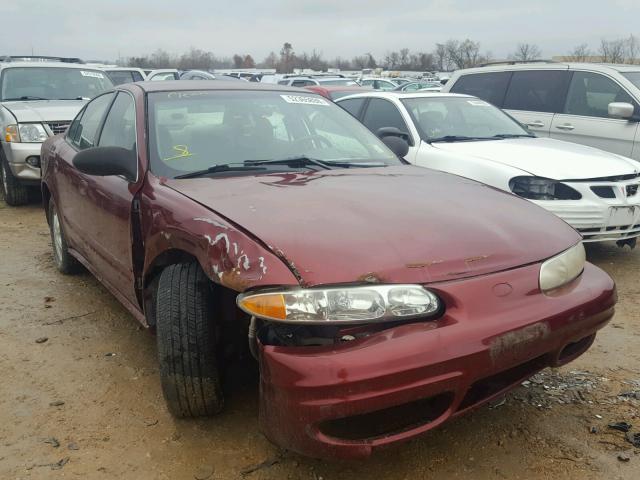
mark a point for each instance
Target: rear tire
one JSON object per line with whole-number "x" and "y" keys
{"x": 62, "y": 259}
{"x": 187, "y": 345}
{"x": 15, "y": 194}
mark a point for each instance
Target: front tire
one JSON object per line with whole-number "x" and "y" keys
{"x": 62, "y": 259}
{"x": 187, "y": 342}
{"x": 15, "y": 194}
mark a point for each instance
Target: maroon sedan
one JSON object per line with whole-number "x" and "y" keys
{"x": 379, "y": 299}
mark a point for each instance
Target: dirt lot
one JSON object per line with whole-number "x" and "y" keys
{"x": 86, "y": 403}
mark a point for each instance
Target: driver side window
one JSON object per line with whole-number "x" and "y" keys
{"x": 84, "y": 130}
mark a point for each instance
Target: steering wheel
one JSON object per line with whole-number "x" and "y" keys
{"x": 315, "y": 138}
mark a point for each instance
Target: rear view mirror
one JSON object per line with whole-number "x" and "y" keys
{"x": 397, "y": 145}
{"x": 621, "y": 110}
{"x": 106, "y": 161}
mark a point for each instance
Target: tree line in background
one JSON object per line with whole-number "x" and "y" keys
{"x": 450, "y": 55}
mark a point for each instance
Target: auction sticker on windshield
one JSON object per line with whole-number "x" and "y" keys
{"x": 478, "y": 103}
{"x": 84, "y": 73}
{"x": 304, "y": 100}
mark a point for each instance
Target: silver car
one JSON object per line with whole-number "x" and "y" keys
{"x": 592, "y": 104}
{"x": 38, "y": 98}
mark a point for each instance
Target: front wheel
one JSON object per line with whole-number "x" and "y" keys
{"x": 187, "y": 342}
{"x": 15, "y": 194}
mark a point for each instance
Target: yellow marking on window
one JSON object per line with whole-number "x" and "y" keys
{"x": 182, "y": 152}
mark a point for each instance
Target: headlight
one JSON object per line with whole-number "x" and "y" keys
{"x": 26, "y": 133}
{"x": 538, "y": 188}
{"x": 375, "y": 303}
{"x": 32, "y": 133}
{"x": 563, "y": 268}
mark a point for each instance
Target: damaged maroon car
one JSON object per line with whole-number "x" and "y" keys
{"x": 380, "y": 299}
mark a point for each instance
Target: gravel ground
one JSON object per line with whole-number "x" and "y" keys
{"x": 80, "y": 396}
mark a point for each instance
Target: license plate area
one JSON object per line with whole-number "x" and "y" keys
{"x": 622, "y": 216}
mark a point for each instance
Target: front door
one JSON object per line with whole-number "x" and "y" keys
{"x": 585, "y": 117}
{"x": 106, "y": 205}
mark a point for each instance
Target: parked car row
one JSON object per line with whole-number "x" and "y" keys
{"x": 378, "y": 298}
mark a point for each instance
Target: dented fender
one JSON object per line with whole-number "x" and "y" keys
{"x": 228, "y": 255}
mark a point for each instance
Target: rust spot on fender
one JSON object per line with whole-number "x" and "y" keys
{"x": 371, "y": 277}
{"x": 476, "y": 258}
{"x": 426, "y": 264}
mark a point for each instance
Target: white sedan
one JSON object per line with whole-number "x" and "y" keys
{"x": 594, "y": 191}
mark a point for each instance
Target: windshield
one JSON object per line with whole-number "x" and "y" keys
{"x": 52, "y": 83}
{"x": 462, "y": 117}
{"x": 194, "y": 130}
{"x": 633, "y": 77}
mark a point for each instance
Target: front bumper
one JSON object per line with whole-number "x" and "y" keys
{"x": 597, "y": 218}
{"x": 350, "y": 399}
{"x": 16, "y": 155}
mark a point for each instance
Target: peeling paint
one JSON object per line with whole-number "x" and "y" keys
{"x": 212, "y": 222}
{"x": 371, "y": 277}
{"x": 426, "y": 264}
{"x": 166, "y": 235}
{"x": 263, "y": 267}
{"x": 220, "y": 236}
{"x": 246, "y": 264}
{"x": 475, "y": 259}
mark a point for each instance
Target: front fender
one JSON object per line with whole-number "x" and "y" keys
{"x": 228, "y": 256}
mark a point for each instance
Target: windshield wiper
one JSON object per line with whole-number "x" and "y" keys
{"x": 514, "y": 135}
{"x": 347, "y": 164}
{"x": 223, "y": 167}
{"x": 24, "y": 97}
{"x": 291, "y": 162}
{"x": 74, "y": 98}
{"x": 458, "y": 138}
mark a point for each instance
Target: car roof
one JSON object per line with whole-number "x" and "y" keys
{"x": 398, "y": 95}
{"x": 338, "y": 88}
{"x": 597, "y": 67}
{"x": 79, "y": 66}
{"x": 193, "y": 85}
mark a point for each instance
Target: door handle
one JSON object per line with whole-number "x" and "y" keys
{"x": 537, "y": 124}
{"x": 566, "y": 126}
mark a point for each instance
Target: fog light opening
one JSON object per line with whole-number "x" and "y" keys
{"x": 34, "y": 161}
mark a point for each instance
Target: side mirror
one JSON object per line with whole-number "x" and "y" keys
{"x": 621, "y": 110}
{"x": 397, "y": 145}
{"x": 106, "y": 161}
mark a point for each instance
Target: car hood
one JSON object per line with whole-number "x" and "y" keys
{"x": 393, "y": 224}
{"x": 44, "y": 110}
{"x": 546, "y": 157}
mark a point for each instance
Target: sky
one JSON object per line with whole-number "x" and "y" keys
{"x": 109, "y": 29}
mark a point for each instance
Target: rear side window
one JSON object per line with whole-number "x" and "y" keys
{"x": 353, "y": 105}
{"x": 302, "y": 83}
{"x": 590, "y": 95}
{"x": 490, "y": 87}
{"x": 382, "y": 113}
{"x": 118, "y": 77}
{"x": 137, "y": 77}
{"x": 537, "y": 91}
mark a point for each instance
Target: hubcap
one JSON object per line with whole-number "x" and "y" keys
{"x": 5, "y": 180}
{"x": 57, "y": 237}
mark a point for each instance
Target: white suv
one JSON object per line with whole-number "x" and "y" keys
{"x": 592, "y": 104}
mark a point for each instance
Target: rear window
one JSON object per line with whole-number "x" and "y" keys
{"x": 490, "y": 87}
{"x": 537, "y": 91}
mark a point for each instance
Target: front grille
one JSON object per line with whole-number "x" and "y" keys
{"x": 604, "y": 192}
{"x": 58, "y": 127}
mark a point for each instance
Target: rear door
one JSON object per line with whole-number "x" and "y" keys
{"x": 585, "y": 117}
{"x": 535, "y": 96}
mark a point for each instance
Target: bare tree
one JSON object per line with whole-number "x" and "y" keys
{"x": 287, "y": 56}
{"x": 613, "y": 51}
{"x": 237, "y": 61}
{"x": 270, "y": 61}
{"x": 580, "y": 53}
{"x": 525, "y": 52}
{"x": 440, "y": 54}
{"x": 632, "y": 49}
